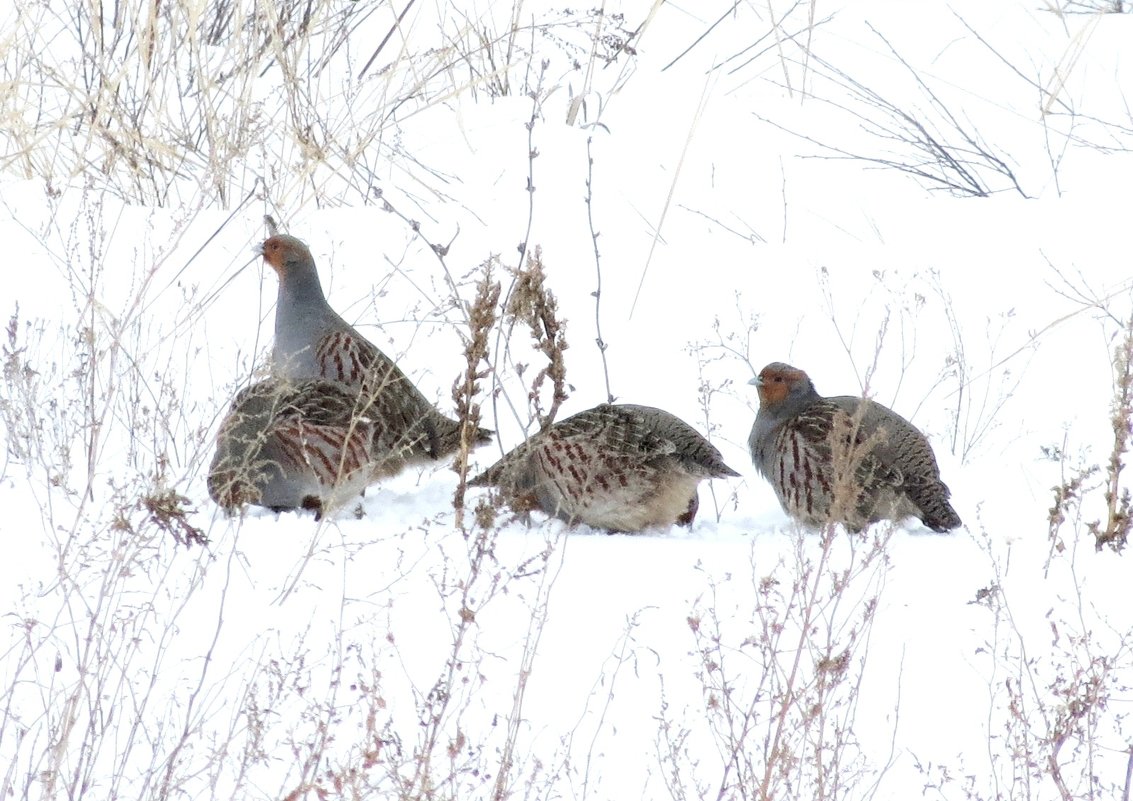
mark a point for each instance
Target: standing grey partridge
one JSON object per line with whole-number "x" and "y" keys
{"x": 844, "y": 459}
{"x": 312, "y": 341}
{"x": 301, "y": 446}
{"x": 616, "y": 467}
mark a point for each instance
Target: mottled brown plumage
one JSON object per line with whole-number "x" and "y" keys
{"x": 616, "y": 467}
{"x": 843, "y": 459}
{"x": 310, "y": 445}
{"x": 313, "y": 341}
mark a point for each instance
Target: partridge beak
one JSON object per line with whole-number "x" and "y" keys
{"x": 756, "y": 382}
{"x": 258, "y": 249}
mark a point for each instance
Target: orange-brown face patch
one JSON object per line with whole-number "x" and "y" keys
{"x": 272, "y": 250}
{"x": 775, "y": 383}
{"x": 278, "y": 250}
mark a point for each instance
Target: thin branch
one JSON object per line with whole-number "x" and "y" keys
{"x": 381, "y": 45}
{"x": 702, "y": 36}
{"x": 672, "y": 190}
{"x": 599, "y": 339}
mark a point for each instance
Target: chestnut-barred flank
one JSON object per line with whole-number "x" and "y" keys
{"x": 616, "y": 467}
{"x": 843, "y": 459}
{"x": 311, "y": 445}
{"x": 313, "y": 341}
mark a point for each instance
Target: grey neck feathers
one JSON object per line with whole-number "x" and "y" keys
{"x": 799, "y": 398}
{"x": 302, "y": 288}
{"x": 301, "y": 316}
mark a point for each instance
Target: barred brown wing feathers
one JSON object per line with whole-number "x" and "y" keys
{"x": 672, "y": 436}
{"x": 621, "y": 428}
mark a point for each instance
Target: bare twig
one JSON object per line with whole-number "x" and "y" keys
{"x": 599, "y": 339}
{"x": 504, "y": 331}
{"x": 438, "y": 250}
{"x": 705, "y": 93}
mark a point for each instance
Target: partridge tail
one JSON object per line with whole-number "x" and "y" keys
{"x": 936, "y": 512}
{"x": 943, "y": 518}
{"x": 442, "y": 436}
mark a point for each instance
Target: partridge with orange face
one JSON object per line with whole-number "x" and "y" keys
{"x": 843, "y": 459}
{"x": 313, "y": 341}
{"x": 301, "y": 446}
{"x": 615, "y": 467}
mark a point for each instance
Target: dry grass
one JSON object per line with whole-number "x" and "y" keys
{"x": 780, "y": 684}
{"x": 533, "y": 305}
{"x": 1113, "y": 531}
{"x": 179, "y": 104}
{"x": 482, "y": 318}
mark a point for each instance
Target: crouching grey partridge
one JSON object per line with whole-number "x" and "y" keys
{"x": 616, "y": 467}
{"x": 844, "y": 459}
{"x": 302, "y": 446}
{"x": 313, "y": 341}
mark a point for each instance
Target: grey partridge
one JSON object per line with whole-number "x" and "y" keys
{"x": 616, "y": 467}
{"x": 301, "y": 446}
{"x": 313, "y": 341}
{"x": 844, "y": 459}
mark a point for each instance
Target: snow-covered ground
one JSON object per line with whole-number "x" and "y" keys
{"x": 395, "y": 656}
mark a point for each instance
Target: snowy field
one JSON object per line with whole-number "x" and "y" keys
{"x": 925, "y": 203}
